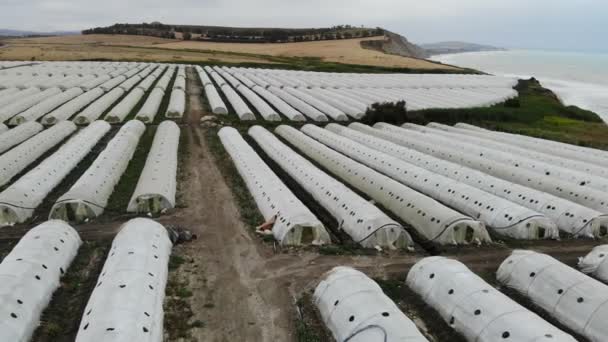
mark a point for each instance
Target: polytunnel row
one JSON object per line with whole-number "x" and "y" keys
{"x": 19, "y": 200}
{"x": 586, "y": 154}
{"x": 353, "y": 307}
{"x": 429, "y": 218}
{"x": 543, "y": 164}
{"x": 503, "y": 217}
{"x": 127, "y": 301}
{"x": 570, "y": 217}
{"x": 362, "y": 221}
{"x": 293, "y": 222}
{"x": 341, "y": 97}
{"x": 87, "y": 198}
{"x": 51, "y": 94}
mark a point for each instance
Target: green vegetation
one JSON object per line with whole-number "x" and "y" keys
{"x": 178, "y": 311}
{"x": 536, "y": 112}
{"x": 239, "y": 34}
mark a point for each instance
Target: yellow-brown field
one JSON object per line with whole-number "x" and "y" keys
{"x": 142, "y": 48}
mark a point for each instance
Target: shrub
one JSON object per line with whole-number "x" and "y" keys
{"x": 390, "y": 112}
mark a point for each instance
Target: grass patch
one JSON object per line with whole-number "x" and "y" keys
{"x": 178, "y": 311}
{"x": 538, "y": 114}
{"x": 61, "y": 319}
{"x": 119, "y": 200}
{"x": 309, "y": 327}
{"x": 250, "y": 214}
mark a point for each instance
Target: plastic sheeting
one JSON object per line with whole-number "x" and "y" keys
{"x": 549, "y": 158}
{"x": 279, "y": 104}
{"x": 354, "y": 309}
{"x": 67, "y": 110}
{"x": 298, "y": 104}
{"x": 267, "y": 112}
{"x": 100, "y": 106}
{"x": 586, "y": 154}
{"x": 155, "y": 191}
{"x": 577, "y": 301}
{"x": 119, "y": 112}
{"x": 474, "y": 308}
{"x": 148, "y": 111}
{"x": 466, "y": 155}
{"x": 23, "y": 103}
{"x": 30, "y": 274}
{"x": 20, "y": 199}
{"x": 431, "y": 219}
{"x": 546, "y": 165}
{"x": 3, "y": 128}
{"x": 127, "y": 302}
{"x": 177, "y": 104}
{"x": 215, "y": 101}
{"x": 361, "y": 220}
{"x": 569, "y": 216}
{"x": 180, "y": 83}
{"x": 595, "y": 263}
{"x": 327, "y": 109}
{"x": 505, "y": 218}
{"x": 294, "y": 223}
{"x": 239, "y": 106}
{"x": 17, "y": 159}
{"x": 23, "y": 94}
{"x": 88, "y": 197}
{"x": 114, "y": 82}
{"x": 18, "y": 135}
{"x": 37, "y": 111}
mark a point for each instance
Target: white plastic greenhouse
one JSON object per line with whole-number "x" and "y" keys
{"x": 445, "y": 149}
{"x": 112, "y": 83}
{"x": 569, "y": 216}
{"x": 155, "y": 191}
{"x": 354, "y": 308}
{"x": 100, "y": 106}
{"x": 127, "y": 303}
{"x": 577, "y": 301}
{"x": 148, "y": 111}
{"x": 37, "y": 111}
{"x": 546, "y": 165}
{"x": 474, "y": 308}
{"x": 586, "y": 154}
{"x": 17, "y": 159}
{"x": 429, "y": 218}
{"x": 23, "y": 94}
{"x": 20, "y": 199}
{"x": 294, "y": 223}
{"x": 23, "y": 103}
{"x": 88, "y": 197}
{"x": 279, "y": 104}
{"x": 177, "y": 104}
{"x": 306, "y": 109}
{"x": 67, "y": 110}
{"x": 549, "y": 158}
{"x": 325, "y": 108}
{"x": 595, "y": 263}
{"x": 30, "y": 274}
{"x": 267, "y": 112}
{"x": 119, "y": 112}
{"x": 3, "y": 128}
{"x": 505, "y": 218}
{"x": 18, "y": 135}
{"x": 361, "y": 220}
{"x": 215, "y": 101}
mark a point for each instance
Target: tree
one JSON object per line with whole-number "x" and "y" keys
{"x": 187, "y": 35}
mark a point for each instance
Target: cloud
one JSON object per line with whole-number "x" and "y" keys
{"x": 521, "y": 23}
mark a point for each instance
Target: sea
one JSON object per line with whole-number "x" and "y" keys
{"x": 577, "y": 78}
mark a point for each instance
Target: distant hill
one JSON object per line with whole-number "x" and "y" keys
{"x": 395, "y": 44}
{"x": 18, "y": 33}
{"x": 456, "y": 47}
{"x": 237, "y": 34}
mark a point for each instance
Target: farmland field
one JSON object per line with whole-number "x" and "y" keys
{"x": 258, "y": 280}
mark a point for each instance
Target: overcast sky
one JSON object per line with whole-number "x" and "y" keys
{"x": 549, "y": 24}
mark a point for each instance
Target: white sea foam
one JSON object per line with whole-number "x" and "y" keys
{"x": 579, "y": 79}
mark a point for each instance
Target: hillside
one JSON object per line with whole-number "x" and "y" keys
{"x": 456, "y": 47}
{"x": 342, "y": 54}
{"x": 395, "y": 44}
{"x": 238, "y": 34}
